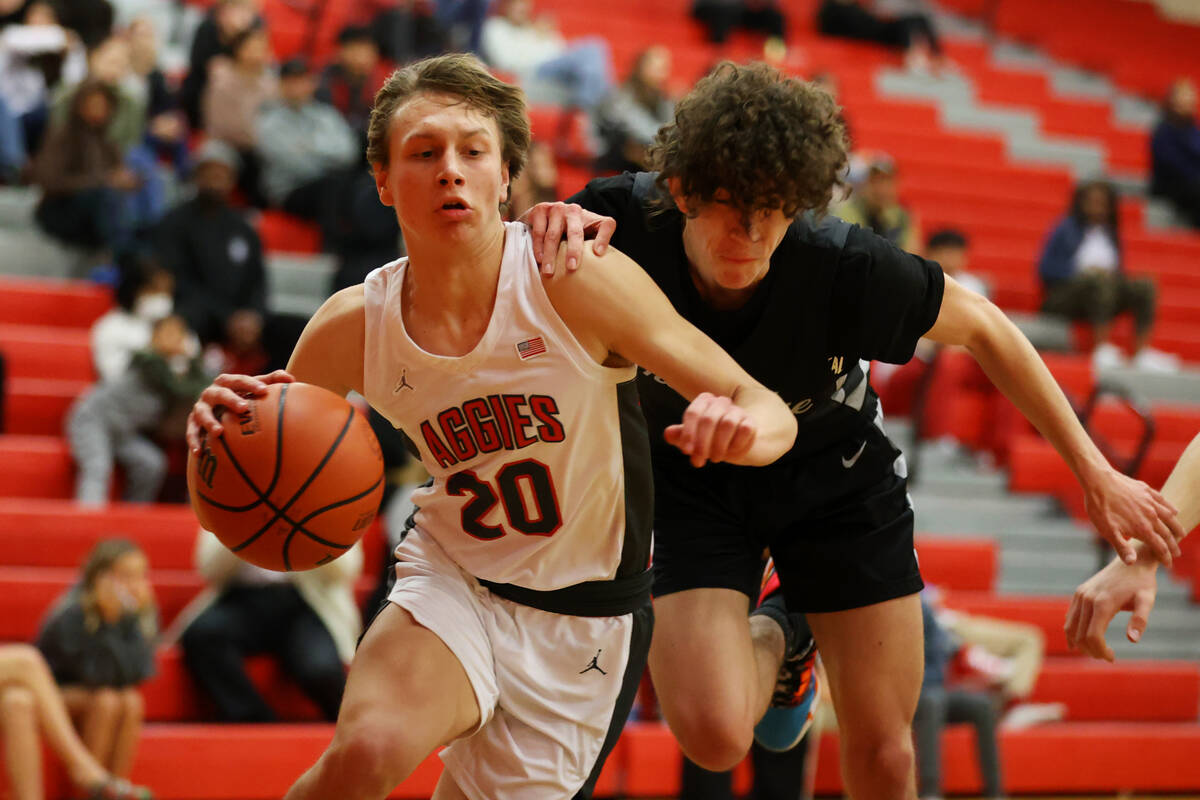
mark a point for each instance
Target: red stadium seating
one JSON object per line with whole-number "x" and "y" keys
{"x": 70, "y": 304}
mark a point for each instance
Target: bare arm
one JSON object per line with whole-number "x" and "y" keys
{"x": 614, "y": 307}
{"x": 1132, "y": 587}
{"x": 1120, "y": 507}
{"x": 329, "y": 354}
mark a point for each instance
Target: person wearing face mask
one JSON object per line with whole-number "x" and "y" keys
{"x": 121, "y": 419}
{"x": 213, "y": 252}
{"x": 144, "y": 296}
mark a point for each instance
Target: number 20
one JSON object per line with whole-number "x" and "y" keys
{"x": 548, "y": 518}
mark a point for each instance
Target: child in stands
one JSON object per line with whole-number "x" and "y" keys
{"x": 118, "y": 420}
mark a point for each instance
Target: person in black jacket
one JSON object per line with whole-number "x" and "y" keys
{"x": 804, "y": 303}
{"x": 215, "y": 254}
{"x": 98, "y": 641}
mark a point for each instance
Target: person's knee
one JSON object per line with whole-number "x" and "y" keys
{"x": 106, "y": 703}
{"x": 715, "y": 740}
{"x": 133, "y": 708}
{"x": 889, "y": 758}
{"x": 17, "y": 701}
{"x": 372, "y": 752}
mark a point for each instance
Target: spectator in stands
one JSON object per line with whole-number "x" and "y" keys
{"x": 239, "y": 86}
{"x": 118, "y": 420}
{"x": 914, "y": 34}
{"x": 30, "y": 703}
{"x": 409, "y": 30}
{"x": 98, "y": 640}
{"x": 91, "y": 19}
{"x": 537, "y": 183}
{"x": 109, "y": 63}
{"x": 941, "y": 704}
{"x": 630, "y": 117}
{"x": 144, "y": 296}
{"x": 349, "y": 84}
{"x": 80, "y": 169}
{"x": 722, "y": 17}
{"x": 464, "y": 20}
{"x": 875, "y": 203}
{"x": 33, "y": 56}
{"x": 225, "y": 23}
{"x": 1084, "y": 278}
{"x": 307, "y": 620}
{"x": 576, "y": 73}
{"x": 213, "y": 252}
{"x": 166, "y": 129}
{"x": 305, "y": 146}
{"x": 1175, "y": 152}
{"x": 948, "y": 247}
{"x": 1002, "y": 656}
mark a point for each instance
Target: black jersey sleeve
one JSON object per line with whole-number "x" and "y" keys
{"x": 885, "y": 299}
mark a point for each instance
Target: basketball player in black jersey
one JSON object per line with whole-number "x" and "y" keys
{"x": 803, "y": 303}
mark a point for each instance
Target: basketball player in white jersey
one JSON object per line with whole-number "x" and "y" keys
{"x": 519, "y": 622}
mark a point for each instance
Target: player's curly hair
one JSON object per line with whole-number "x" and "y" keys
{"x": 457, "y": 75}
{"x": 768, "y": 140}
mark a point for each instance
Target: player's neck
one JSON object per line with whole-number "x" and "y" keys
{"x": 450, "y": 291}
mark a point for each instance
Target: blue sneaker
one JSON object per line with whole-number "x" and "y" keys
{"x": 783, "y": 726}
{"x": 796, "y": 689}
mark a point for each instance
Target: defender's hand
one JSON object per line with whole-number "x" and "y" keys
{"x": 1122, "y": 508}
{"x": 547, "y": 223}
{"x": 1117, "y": 587}
{"x": 713, "y": 429}
{"x": 226, "y": 391}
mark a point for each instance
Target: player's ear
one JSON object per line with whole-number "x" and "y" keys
{"x": 505, "y": 184}
{"x": 381, "y": 185}
{"x": 676, "y": 190}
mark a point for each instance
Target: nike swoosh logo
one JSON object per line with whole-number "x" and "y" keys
{"x": 852, "y": 460}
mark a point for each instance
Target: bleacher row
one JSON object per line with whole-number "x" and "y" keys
{"x": 1128, "y": 726}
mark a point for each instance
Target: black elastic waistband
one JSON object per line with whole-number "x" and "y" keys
{"x": 613, "y": 598}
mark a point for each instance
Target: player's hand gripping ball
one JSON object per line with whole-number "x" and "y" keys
{"x": 292, "y": 483}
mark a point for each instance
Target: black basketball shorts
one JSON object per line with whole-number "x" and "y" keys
{"x": 838, "y": 523}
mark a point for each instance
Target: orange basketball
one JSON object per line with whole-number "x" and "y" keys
{"x": 292, "y": 483}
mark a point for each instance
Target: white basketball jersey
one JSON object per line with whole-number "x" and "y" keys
{"x": 539, "y": 455}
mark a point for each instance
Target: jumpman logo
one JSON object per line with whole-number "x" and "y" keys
{"x": 403, "y": 383}
{"x": 594, "y": 665}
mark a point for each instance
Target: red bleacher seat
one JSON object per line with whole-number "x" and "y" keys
{"x": 35, "y": 466}
{"x": 958, "y": 563}
{"x": 70, "y": 304}
{"x": 1047, "y": 613}
{"x": 38, "y": 406}
{"x": 284, "y": 233}
{"x": 1137, "y": 691}
{"x": 43, "y": 351}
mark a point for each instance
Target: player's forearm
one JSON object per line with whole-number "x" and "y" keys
{"x": 1182, "y": 488}
{"x": 775, "y": 425}
{"x": 1016, "y": 369}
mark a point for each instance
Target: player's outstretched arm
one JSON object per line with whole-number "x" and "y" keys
{"x": 612, "y": 306}
{"x": 1120, "y": 507}
{"x": 1132, "y": 587}
{"x": 329, "y": 354}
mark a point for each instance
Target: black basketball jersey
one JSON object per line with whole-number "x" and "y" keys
{"x": 835, "y": 298}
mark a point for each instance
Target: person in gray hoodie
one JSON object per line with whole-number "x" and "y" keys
{"x": 304, "y": 144}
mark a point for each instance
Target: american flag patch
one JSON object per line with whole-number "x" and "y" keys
{"x": 531, "y": 347}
